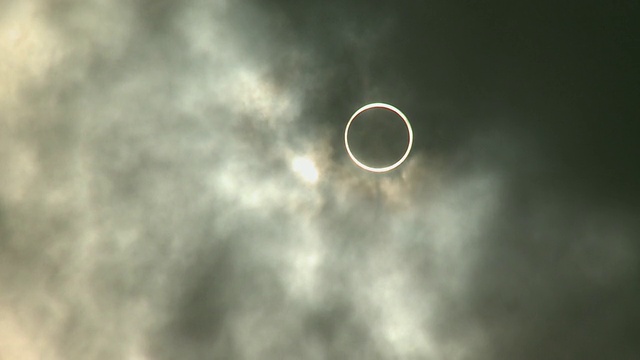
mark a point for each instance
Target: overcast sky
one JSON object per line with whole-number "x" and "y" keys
{"x": 174, "y": 182}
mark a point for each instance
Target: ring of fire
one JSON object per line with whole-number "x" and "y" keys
{"x": 379, "y": 106}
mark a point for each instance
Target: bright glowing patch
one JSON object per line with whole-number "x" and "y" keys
{"x": 28, "y": 49}
{"x": 306, "y": 169}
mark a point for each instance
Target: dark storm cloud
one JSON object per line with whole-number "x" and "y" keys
{"x": 174, "y": 183}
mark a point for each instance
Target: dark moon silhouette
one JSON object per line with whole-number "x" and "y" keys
{"x": 378, "y": 137}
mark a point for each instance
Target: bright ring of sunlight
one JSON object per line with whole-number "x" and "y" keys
{"x": 382, "y": 106}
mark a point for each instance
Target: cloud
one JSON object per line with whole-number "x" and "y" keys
{"x": 173, "y": 185}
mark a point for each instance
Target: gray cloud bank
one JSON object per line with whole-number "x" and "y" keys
{"x": 173, "y": 186}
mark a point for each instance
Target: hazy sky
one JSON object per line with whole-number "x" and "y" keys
{"x": 174, "y": 184}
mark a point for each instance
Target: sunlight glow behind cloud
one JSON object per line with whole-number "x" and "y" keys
{"x": 306, "y": 169}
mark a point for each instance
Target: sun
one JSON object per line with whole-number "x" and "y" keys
{"x": 409, "y": 132}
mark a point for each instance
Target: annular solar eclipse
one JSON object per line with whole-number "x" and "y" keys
{"x": 378, "y": 169}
